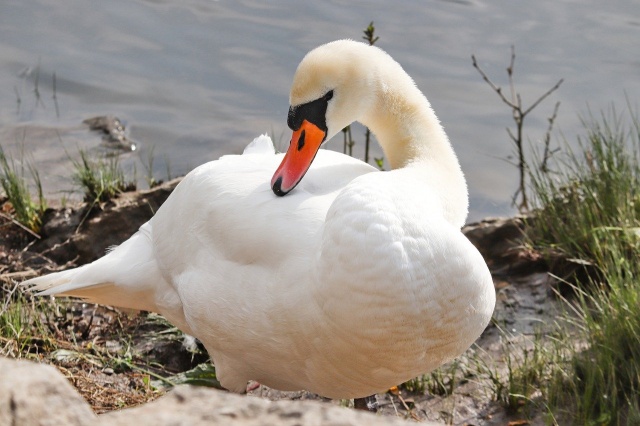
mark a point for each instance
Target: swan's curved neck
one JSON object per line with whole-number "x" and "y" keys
{"x": 406, "y": 128}
{"x": 411, "y": 136}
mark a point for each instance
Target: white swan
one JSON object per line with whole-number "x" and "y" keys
{"x": 356, "y": 281}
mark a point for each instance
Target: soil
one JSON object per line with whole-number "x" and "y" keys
{"x": 118, "y": 359}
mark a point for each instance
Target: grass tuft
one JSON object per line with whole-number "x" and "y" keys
{"x": 24, "y": 320}
{"x": 26, "y": 211}
{"x": 442, "y": 381}
{"x": 101, "y": 179}
{"x": 594, "y": 198}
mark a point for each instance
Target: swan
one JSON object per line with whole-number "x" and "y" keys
{"x": 346, "y": 282}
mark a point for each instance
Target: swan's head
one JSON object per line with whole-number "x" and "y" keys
{"x": 332, "y": 87}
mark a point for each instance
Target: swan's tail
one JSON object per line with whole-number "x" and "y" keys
{"x": 127, "y": 276}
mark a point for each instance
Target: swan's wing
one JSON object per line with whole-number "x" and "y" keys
{"x": 226, "y": 210}
{"x": 224, "y": 238}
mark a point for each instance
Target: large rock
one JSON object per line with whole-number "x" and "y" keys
{"x": 35, "y": 394}
{"x": 503, "y": 244}
{"x": 509, "y": 252}
{"x": 187, "y": 405}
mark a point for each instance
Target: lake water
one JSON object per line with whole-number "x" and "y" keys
{"x": 197, "y": 79}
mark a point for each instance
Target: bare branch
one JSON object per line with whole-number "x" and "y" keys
{"x": 518, "y": 116}
{"x": 548, "y": 153}
{"x": 510, "y": 74}
{"x": 515, "y": 196}
{"x": 541, "y": 98}
{"x": 19, "y": 225}
{"x": 496, "y": 89}
{"x": 506, "y": 160}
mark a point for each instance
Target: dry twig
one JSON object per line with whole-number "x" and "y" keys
{"x": 519, "y": 114}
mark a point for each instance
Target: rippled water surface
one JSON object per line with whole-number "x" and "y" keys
{"x": 197, "y": 79}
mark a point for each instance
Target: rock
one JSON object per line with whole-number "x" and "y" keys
{"x": 114, "y": 134}
{"x": 187, "y": 405}
{"x": 37, "y": 394}
{"x": 504, "y": 246}
{"x": 501, "y": 241}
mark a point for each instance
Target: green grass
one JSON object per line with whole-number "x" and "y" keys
{"x": 148, "y": 168}
{"x": 593, "y": 198}
{"x": 152, "y": 182}
{"x": 100, "y": 179}
{"x": 12, "y": 178}
{"x": 24, "y": 324}
{"x": 590, "y": 210}
{"x": 521, "y": 379}
{"x": 441, "y": 381}
{"x": 605, "y": 386}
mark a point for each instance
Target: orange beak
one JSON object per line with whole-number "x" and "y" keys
{"x": 303, "y": 148}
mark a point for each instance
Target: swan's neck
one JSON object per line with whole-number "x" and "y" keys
{"x": 411, "y": 136}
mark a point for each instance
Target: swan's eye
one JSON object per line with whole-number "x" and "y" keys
{"x": 314, "y": 112}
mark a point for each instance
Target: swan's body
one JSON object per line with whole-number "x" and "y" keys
{"x": 356, "y": 281}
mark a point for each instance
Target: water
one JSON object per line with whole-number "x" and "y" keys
{"x": 198, "y": 79}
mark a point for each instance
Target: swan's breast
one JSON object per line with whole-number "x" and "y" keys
{"x": 401, "y": 289}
